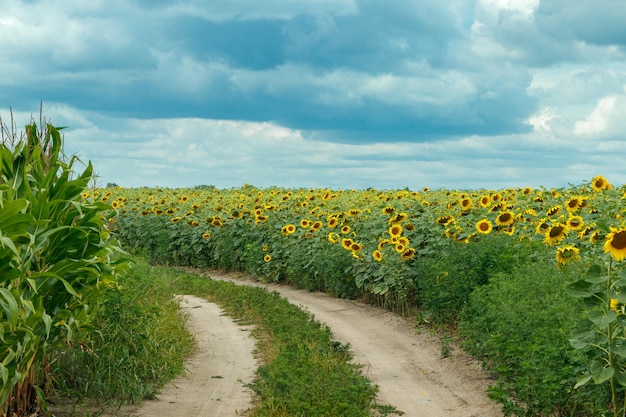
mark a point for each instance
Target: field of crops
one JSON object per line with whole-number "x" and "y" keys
{"x": 532, "y": 279}
{"x": 429, "y": 250}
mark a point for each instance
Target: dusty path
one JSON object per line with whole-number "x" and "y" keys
{"x": 407, "y": 366}
{"x": 216, "y": 373}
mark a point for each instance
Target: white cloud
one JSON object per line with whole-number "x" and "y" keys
{"x": 599, "y": 120}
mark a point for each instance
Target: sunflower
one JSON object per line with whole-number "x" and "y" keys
{"x": 355, "y": 247}
{"x": 382, "y": 243}
{"x": 265, "y": 248}
{"x": 317, "y": 226}
{"x": 616, "y": 243}
{"x": 485, "y": 201}
{"x": 333, "y": 237}
{"x": 505, "y": 219}
{"x": 332, "y": 222}
{"x": 217, "y": 222}
{"x": 567, "y": 254}
{"x": 527, "y": 191}
{"x": 388, "y": 210}
{"x": 445, "y": 220}
{"x": 408, "y": 254}
{"x": 304, "y": 223}
{"x": 484, "y": 226}
{"x": 399, "y": 217}
{"x": 354, "y": 212}
{"x": 115, "y": 204}
{"x": 575, "y": 222}
{"x": 345, "y": 230}
{"x": 288, "y": 229}
{"x": 346, "y": 243}
{"x": 395, "y": 230}
{"x": 573, "y": 204}
{"x": 85, "y": 195}
{"x": 400, "y": 247}
{"x": 466, "y": 204}
{"x": 614, "y": 305}
{"x": 267, "y": 258}
{"x": 599, "y": 183}
{"x": 377, "y": 255}
{"x": 206, "y": 235}
{"x": 175, "y": 219}
{"x": 555, "y": 234}
{"x": 554, "y": 210}
{"x": 403, "y": 240}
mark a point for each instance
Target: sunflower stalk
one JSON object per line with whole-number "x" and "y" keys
{"x": 603, "y": 331}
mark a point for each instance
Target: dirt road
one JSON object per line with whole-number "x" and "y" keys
{"x": 406, "y": 365}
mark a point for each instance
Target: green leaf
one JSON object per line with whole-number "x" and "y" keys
{"x": 10, "y": 307}
{"x": 580, "y": 289}
{"x": 601, "y": 373}
{"x": 582, "y": 380}
{"x": 619, "y": 350}
{"x": 602, "y": 320}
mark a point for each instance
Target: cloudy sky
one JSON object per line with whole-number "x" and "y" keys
{"x": 325, "y": 93}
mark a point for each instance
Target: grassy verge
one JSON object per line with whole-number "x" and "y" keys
{"x": 142, "y": 343}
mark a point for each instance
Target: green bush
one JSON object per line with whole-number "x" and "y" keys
{"x": 141, "y": 342}
{"x": 520, "y": 324}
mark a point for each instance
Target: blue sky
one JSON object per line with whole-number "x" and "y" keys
{"x": 327, "y": 93}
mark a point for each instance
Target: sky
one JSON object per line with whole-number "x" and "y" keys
{"x": 453, "y": 94}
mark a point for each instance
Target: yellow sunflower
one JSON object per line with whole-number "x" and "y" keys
{"x": 388, "y": 210}
{"x": 567, "y": 254}
{"x": 484, "y": 226}
{"x": 333, "y": 237}
{"x": 485, "y": 201}
{"x": 267, "y": 258}
{"x": 616, "y": 243}
{"x": 377, "y": 255}
{"x": 505, "y": 219}
{"x": 408, "y": 254}
{"x": 466, "y": 204}
{"x": 382, "y": 243}
{"x": 395, "y": 230}
{"x": 575, "y": 223}
{"x": 346, "y": 243}
{"x": 345, "y": 230}
{"x": 332, "y": 222}
{"x": 288, "y": 229}
{"x": 317, "y": 226}
{"x": 555, "y": 234}
{"x": 573, "y": 204}
{"x": 206, "y": 235}
{"x": 445, "y": 220}
{"x": 175, "y": 219}
{"x": 304, "y": 223}
{"x": 599, "y": 183}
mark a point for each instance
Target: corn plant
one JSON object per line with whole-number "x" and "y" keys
{"x": 56, "y": 260}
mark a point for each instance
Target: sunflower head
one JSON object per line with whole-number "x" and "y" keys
{"x": 505, "y": 218}
{"x": 395, "y": 230}
{"x": 599, "y": 183}
{"x": 484, "y": 226}
{"x": 408, "y": 254}
{"x": 567, "y": 254}
{"x": 377, "y": 255}
{"x": 346, "y": 243}
{"x": 267, "y": 258}
{"x": 555, "y": 233}
{"x": 616, "y": 243}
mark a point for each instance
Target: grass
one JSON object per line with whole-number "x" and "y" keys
{"x": 142, "y": 342}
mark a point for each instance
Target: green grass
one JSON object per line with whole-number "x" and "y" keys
{"x": 142, "y": 342}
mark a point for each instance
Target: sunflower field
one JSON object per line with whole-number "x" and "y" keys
{"x": 532, "y": 278}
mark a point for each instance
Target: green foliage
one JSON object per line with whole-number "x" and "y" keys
{"x": 55, "y": 260}
{"x": 140, "y": 344}
{"x": 519, "y": 324}
{"x": 446, "y": 283}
